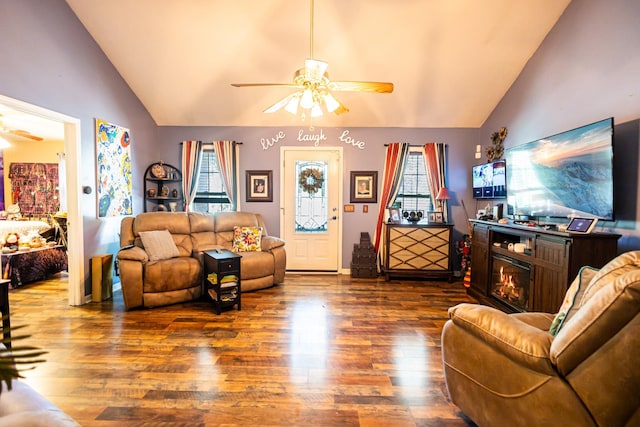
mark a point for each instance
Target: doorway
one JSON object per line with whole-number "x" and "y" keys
{"x": 310, "y": 220}
{"x": 72, "y": 150}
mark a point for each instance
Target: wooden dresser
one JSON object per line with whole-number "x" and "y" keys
{"x": 418, "y": 250}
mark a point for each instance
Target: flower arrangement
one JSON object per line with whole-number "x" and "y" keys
{"x": 496, "y": 149}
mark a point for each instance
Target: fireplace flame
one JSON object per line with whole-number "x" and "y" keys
{"x": 508, "y": 289}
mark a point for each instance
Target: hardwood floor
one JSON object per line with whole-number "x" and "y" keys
{"x": 319, "y": 350}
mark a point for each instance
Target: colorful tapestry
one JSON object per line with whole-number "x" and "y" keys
{"x": 113, "y": 148}
{"x": 34, "y": 188}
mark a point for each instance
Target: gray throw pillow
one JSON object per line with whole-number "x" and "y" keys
{"x": 159, "y": 245}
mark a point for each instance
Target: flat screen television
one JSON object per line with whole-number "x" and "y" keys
{"x": 489, "y": 180}
{"x": 564, "y": 175}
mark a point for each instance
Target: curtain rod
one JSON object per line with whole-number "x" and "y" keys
{"x": 410, "y": 145}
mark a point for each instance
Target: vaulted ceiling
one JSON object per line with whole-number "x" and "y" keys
{"x": 450, "y": 61}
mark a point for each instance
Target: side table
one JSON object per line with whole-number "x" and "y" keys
{"x": 222, "y": 278}
{"x": 4, "y": 309}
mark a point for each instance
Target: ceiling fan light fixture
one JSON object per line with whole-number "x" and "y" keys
{"x": 306, "y": 101}
{"x": 316, "y": 110}
{"x": 331, "y": 103}
{"x": 292, "y": 105}
{"x": 315, "y": 70}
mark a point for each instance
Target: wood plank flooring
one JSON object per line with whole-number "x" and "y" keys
{"x": 319, "y": 350}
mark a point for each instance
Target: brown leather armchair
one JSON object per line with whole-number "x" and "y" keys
{"x": 508, "y": 369}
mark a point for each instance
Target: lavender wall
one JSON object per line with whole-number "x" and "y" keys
{"x": 587, "y": 69}
{"x": 369, "y": 157}
{"x": 48, "y": 59}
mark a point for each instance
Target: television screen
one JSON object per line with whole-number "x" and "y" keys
{"x": 489, "y": 180}
{"x": 565, "y": 175}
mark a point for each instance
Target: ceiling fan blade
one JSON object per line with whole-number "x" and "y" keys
{"x": 25, "y": 134}
{"x": 379, "y": 87}
{"x": 341, "y": 109}
{"x": 283, "y": 102}
{"x": 264, "y": 84}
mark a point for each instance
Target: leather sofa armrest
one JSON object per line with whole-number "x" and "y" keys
{"x": 523, "y": 343}
{"x": 270, "y": 242}
{"x": 133, "y": 253}
{"x": 539, "y": 320}
{"x": 132, "y": 262}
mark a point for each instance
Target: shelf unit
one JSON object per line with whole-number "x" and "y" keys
{"x": 162, "y": 187}
{"x": 221, "y": 263}
{"x": 553, "y": 259}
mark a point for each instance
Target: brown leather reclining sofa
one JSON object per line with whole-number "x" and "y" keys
{"x": 147, "y": 283}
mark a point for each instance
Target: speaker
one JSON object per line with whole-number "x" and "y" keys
{"x": 497, "y": 211}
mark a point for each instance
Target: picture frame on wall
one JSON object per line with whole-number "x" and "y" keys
{"x": 114, "y": 189}
{"x": 435, "y": 217}
{"x": 364, "y": 187}
{"x": 259, "y": 186}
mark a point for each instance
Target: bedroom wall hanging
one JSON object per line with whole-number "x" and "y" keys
{"x": 113, "y": 149}
{"x": 34, "y": 188}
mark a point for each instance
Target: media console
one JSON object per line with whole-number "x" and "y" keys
{"x": 521, "y": 268}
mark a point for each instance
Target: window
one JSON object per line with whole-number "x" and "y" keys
{"x": 210, "y": 196}
{"x": 414, "y": 189}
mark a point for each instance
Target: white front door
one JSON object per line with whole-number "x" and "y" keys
{"x": 311, "y": 183}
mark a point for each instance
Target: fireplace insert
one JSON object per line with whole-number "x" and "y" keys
{"x": 511, "y": 279}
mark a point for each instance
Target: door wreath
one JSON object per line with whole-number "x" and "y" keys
{"x": 311, "y": 180}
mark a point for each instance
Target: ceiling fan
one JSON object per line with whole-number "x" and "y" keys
{"x": 314, "y": 87}
{"x": 18, "y": 132}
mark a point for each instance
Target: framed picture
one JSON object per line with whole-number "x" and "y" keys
{"x": 394, "y": 215}
{"x": 364, "y": 187}
{"x": 435, "y": 217}
{"x": 114, "y": 184}
{"x": 259, "y": 186}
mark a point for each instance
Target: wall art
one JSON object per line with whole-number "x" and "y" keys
{"x": 34, "y": 188}
{"x": 114, "y": 187}
{"x": 259, "y": 186}
{"x": 364, "y": 187}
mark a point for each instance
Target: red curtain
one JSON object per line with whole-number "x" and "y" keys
{"x": 435, "y": 163}
{"x": 395, "y": 159}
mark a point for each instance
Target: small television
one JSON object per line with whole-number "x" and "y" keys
{"x": 489, "y": 180}
{"x": 565, "y": 175}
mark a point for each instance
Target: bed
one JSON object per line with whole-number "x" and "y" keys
{"x": 23, "y": 267}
